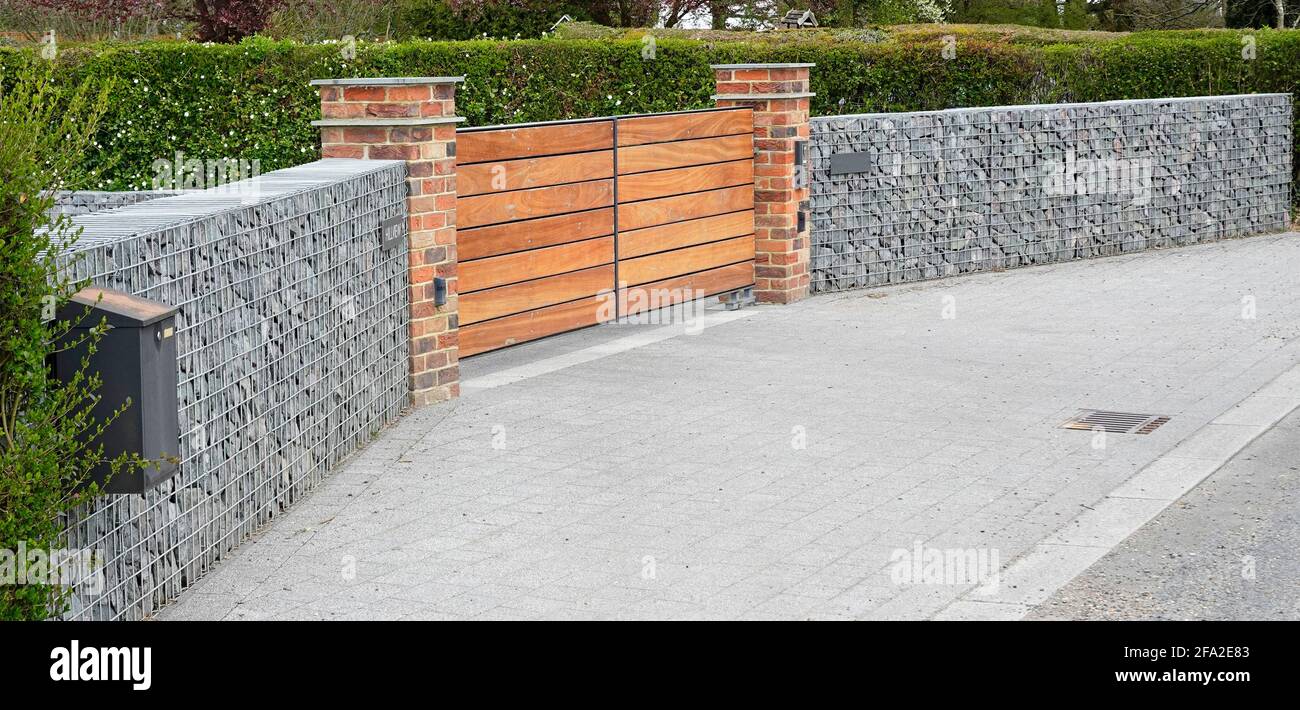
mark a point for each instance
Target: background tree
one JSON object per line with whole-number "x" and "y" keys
{"x": 466, "y": 19}
{"x": 229, "y": 20}
{"x": 857, "y": 13}
{"x": 1263, "y": 13}
{"x": 316, "y": 20}
{"x": 85, "y": 19}
{"x": 1076, "y": 16}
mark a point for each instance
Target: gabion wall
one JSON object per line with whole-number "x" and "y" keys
{"x": 292, "y": 341}
{"x": 910, "y": 196}
{"x": 89, "y": 201}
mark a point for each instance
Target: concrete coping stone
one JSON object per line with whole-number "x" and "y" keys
{"x": 763, "y": 97}
{"x": 777, "y": 65}
{"x": 387, "y": 122}
{"x": 1019, "y": 107}
{"x": 101, "y": 228}
{"x": 390, "y": 81}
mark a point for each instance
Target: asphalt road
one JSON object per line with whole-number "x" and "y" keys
{"x": 1229, "y": 549}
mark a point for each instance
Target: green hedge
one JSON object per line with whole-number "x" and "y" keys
{"x": 253, "y": 101}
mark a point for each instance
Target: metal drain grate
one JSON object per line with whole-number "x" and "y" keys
{"x": 1115, "y": 422}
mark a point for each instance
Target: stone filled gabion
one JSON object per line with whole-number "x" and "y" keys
{"x": 292, "y": 344}
{"x": 965, "y": 190}
{"x": 73, "y": 203}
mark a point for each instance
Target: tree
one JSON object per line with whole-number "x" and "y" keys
{"x": 84, "y": 19}
{"x": 1075, "y": 15}
{"x": 466, "y": 19}
{"x": 317, "y": 20}
{"x": 113, "y": 10}
{"x": 856, "y": 13}
{"x": 229, "y": 20}
{"x": 1263, "y": 13}
{"x": 1048, "y": 16}
{"x": 1131, "y": 15}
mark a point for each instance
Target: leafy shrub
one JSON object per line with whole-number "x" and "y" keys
{"x": 44, "y": 423}
{"x": 252, "y": 100}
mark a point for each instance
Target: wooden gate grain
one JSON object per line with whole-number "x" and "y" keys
{"x": 565, "y": 225}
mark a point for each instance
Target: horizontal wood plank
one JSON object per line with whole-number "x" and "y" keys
{"x": 668, "y": 292}
{"x": 656, "y": 267}
{"x": 533, "y": 264}
{"x": 533, "y": 141}
{"x": 516, "y": 298}
{"x": 664, "y": 210}
{"x": 639, "y": 242}
{"x": 638, "y": 130}
{"x": 520, "y": 328}
{"x": 662, "y": 183}
{"x": 536, "y": 218}
{"x": 678, "y": 154}
{"x": 483, "y": 178}
{"x": 479, "y": 242}
{"x": 496, "y": 208}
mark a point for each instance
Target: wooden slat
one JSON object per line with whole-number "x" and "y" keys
{"x": 510, "y": 143}
{"x": 498, "y": 333}
{"x": 662, "y": 156}
{"x": 682, "y": 207}
{"x": 675, "y": 290}
{"x": 484, "y": 178}
{"x": 539, "y": 202}
{"x": 640, "y": 242}
{"x": 533, "y": 264}
{"x": 507, "y": 300}
{"x": 537, "y": 247}
{"x": 498, "y": 239}
{"x": 662, "y": 183}
{"x": 657, "y": 129}
{"x": 683, "y": 261}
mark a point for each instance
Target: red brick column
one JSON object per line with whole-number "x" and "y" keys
{"x": 780, "y": 98}
{"x": 412, "y": 119}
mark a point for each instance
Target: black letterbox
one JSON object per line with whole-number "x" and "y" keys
{"x": 136, "y": 360}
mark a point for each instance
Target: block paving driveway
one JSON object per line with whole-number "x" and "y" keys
{"x": 768, "y": 467}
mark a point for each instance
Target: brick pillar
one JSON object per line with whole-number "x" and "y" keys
{"x": 780, "y": 98}
{"x": 412, "y": 119}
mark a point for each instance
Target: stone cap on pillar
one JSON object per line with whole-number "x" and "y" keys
{"x": 777, "y": 65}
{"x": 388, "y": 122}
{"x": 390, "y": 81}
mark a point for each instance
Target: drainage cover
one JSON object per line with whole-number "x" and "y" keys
{"x": 1115, "y": 422}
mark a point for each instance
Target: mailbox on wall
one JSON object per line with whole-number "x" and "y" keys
{"x": 136, "y": 361}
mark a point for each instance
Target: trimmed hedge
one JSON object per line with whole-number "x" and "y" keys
{"x": 253, "y": 101}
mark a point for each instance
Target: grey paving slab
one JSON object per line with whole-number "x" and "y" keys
{"x": 1224, "y": 550}
{"x": 782, "y": 465}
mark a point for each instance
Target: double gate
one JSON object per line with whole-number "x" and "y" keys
{"x": 568, "y": 224}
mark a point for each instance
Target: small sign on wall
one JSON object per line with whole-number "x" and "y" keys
{"x": 845, "y": 163}
{"x": 391, "y": 232}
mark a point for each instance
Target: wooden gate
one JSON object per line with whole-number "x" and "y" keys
{"x": 565, "y": 225}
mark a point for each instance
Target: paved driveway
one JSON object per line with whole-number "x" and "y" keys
{"x": 1226, "y": 550}
{"x": 782, "y": 464}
